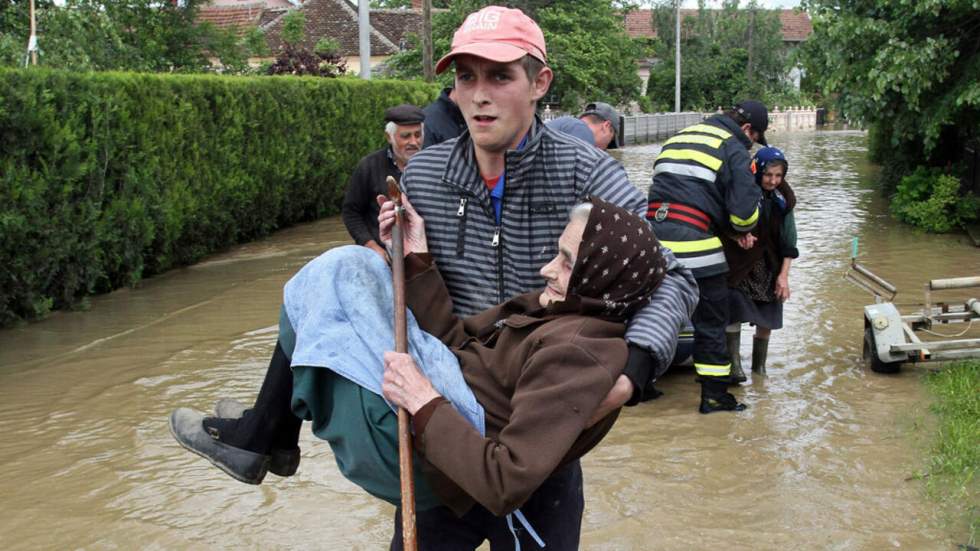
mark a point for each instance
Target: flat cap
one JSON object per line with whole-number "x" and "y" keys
{"x": 404, "y": 114}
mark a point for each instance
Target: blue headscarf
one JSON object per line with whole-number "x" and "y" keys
{"x": 765, "y": 157}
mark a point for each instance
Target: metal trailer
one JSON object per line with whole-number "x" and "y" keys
{"x": 890, "y": 338}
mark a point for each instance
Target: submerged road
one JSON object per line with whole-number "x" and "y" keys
{"x": 819, "y": 461}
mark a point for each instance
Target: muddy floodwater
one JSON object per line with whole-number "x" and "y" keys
{"x": 820, "y": 460}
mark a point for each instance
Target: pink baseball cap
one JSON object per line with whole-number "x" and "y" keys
{"x": 498, "y": 34}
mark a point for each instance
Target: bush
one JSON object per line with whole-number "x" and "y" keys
{"x": 929, "y": 199}
{"x": 106, "y": 178}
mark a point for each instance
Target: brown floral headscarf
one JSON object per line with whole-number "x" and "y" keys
{"x": 619, "y": 263}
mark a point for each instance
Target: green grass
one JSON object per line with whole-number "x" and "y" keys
{"x": 954, "y": 458}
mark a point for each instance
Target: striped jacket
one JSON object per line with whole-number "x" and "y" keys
{"x": 703, "y": 189}
{"x": 484, "y": 264}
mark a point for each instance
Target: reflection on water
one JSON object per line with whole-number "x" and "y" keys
{"x": 819, "y": 461}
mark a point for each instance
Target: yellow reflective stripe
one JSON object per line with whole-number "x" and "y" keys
{"x": 708, "y": 129}
{"x": 713, "y": 370}
{"x": 714, "y": 143}
{"x": 693, "y": 246}
{"x": 738, "y": 222}
{"x": 713, "y": 163}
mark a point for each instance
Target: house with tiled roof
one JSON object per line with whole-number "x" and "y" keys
{"x": 242, "y": 16}
{"x": 331, "y": 19}
{"x": 337, "y": 20}
{"x": 795, "y": 24}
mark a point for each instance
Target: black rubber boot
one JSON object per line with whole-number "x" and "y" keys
{"x": 242, "y": 446}
{"x": 760, "y": 349}
{"x": 733, "y": 341}
{"x": 715, "y": 396}
{"x": 269, "y": 423}
{"x": 243, "y": 465}
{"x": 283, "y": 462}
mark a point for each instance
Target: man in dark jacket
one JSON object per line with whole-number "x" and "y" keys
{"x": 703, "y": 191}
{"x": 443, "y": 120}
{"x": 403, "y": 130}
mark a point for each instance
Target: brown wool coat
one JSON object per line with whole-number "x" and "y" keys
{"x": 539, "y": 374}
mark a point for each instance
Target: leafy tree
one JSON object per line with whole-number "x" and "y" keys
{"x": 909, "y": 70}
{"x": 137, "y": 35}
{"x": 293, "y": 28}
{"x": 15, "y": 29}
{"x": 592, "y": 56}
{"x": 726, "y": 54}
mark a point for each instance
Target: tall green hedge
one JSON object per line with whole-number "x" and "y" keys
{"x": 106, "y": 178}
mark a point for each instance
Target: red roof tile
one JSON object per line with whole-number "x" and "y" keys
{"x": 333, "y": 19}
{"x": 236, "y": 18}
{"x": 797, "y": 26}
{"x": 397, "y": 24}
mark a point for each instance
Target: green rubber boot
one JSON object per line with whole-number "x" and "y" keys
{"x": 760, "y": 349}
{"x": 737, "y": 376}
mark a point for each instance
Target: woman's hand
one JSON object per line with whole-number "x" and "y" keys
{"x": 413, "y": 227}
{"x": 746, "y": 240}
{"x": 404, "y": 385}
{"x": 782, "y": 287}
{"x": 620, "y": 393}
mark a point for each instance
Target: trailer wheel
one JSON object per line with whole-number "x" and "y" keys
{"x": 870, "y": 354}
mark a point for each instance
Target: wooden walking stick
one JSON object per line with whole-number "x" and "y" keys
{"x": 401, "y": 345}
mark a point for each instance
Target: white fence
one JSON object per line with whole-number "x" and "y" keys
{"x": 651, "y": 128}
{"x": 792, "y": 119}
{"x": 637, "y": 129}
{"x": 656, "y": 127}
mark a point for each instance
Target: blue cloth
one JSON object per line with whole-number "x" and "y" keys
{"x": 341, "y": 308}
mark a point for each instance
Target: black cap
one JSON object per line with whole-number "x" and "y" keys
{"x": 757, "y": 116}
{"x": 404, "y": 114}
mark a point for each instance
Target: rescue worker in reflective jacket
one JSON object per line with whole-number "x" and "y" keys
{"x": 703, "y": 191}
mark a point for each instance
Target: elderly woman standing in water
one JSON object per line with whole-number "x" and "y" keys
{"x": 759, "y": 276}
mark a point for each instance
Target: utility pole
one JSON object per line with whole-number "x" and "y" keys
{"x": 749, "y": 68}
{"x": 427, "y": 69}
{"x": 677, "y": 59}
{"x": 32, "y": 41}
{"x": 364, "y": 36}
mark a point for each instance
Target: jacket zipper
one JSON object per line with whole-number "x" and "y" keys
{"x": 461, "y": 235}
{"x": 500, "y": 263}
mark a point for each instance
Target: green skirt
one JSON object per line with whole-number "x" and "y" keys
{"x": 362, "y": 431}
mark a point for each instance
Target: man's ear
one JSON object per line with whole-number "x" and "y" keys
{"x": 542, "y": 82}
{"x": 746, "y": 128}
